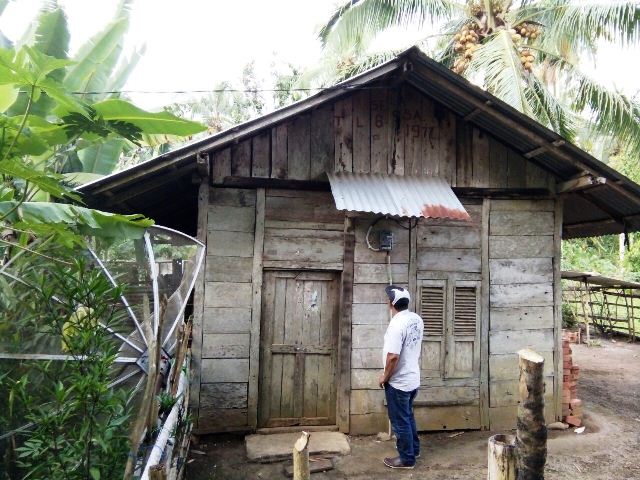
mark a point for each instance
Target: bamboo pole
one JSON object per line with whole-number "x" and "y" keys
{"x": 301, "y": 458}
{"x": 531, "y": 436}
{"x": 502, "y": 458}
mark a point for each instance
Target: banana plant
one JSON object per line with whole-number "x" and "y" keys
{"x": 32, "y": 143}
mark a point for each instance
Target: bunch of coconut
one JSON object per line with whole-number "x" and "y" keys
{"x": 466, "y": 42}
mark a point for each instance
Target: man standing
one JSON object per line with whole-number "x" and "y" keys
{"x": 401, "y": 376}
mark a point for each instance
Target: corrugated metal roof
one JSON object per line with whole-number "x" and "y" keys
{"x": 399, "y": 196}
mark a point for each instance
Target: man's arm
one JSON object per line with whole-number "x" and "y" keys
{"x": 389, "y": 368}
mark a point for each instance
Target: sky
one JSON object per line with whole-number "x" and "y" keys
{"x": 193, "y": 44}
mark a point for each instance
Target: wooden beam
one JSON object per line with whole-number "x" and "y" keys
{"x": 535, "y": 152}
{"x": 485, "y": 288}
{"x": 283, "y": 184}
{"x": 256, "y": 310}
{"x": 477, "y": 110}
{"x": 198, "y": 306}
{"x": 557, "y": 309}
{"x": 202, "y": 164}
{"x": 344, "y": 345}
{"x": 519, "y": 193}
{"x": 579, "y": 183}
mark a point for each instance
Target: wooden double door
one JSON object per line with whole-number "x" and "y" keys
{"x": 298, "y": 348}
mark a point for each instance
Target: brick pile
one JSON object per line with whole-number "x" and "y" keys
{"x": 571, "y": 404}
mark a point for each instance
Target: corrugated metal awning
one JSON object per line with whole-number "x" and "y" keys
{"x": 398, "y": 196}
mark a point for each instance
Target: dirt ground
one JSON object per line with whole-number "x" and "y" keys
{"x": 609, "y": 449}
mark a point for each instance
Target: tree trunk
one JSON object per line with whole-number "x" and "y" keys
{"x": 301, "y": 458}
{"x": 502, "y": 458}
{"x": 531, "y": 436}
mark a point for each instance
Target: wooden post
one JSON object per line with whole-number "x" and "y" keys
{"x": 157, "y": 473}
{"x": 502, "y": 458}
{"x": 301, "y": 458}
{"x": 531, "y": 436}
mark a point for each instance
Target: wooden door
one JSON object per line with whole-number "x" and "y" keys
{"x": 450, "y": 309}
{"x": 298, "y": 351}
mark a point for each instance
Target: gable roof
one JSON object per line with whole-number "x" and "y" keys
{"x": 598, "y": 199}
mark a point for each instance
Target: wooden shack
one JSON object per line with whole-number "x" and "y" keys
{"x": 289, "y": 313}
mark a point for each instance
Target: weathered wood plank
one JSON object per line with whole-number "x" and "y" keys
{"x": 279, "y": 151}
{"x": 361, "y": 132}
{"x": 241, "y": 159}
{"x": 505, "y": 392}
{"x": 533, "y": 295}
{"x": 380, "y": 130}
{"x": 256, "y": 309}
{"x": 198, "y": 304}
{"x": 505, "y": 367}
{"x": 290, "y": 231}
{"x": 314, "y": 207}
{"x": 371, "y": 292}
{"x": 396, "y": 158}
{"x": 283, "y": 224}
{"x": 225, "y": 370}
{"x": 301, "y": 249}
{"x": 227, "y": 320}
{"x": 222, "y": 420}
{"x": 413, "y": 126}
{"x": 221, "y": 166}
{"x": 521, "y": 270}
{"x": 448, "y": 418}
{"x": 343, "y": 129}
{"x": 368, "y": 336}
{"x": 343, "y": 369}
{"x": 480, "y": 152}
{"x": 449, "y": 260}
{"x": 516, "y": 174}
{"x": 448, "y": 393}
{"x": 232, "y": 197}
{"x": 521, "y": 223}
{"x": 225, "y": 345}
{"x": 228, "y": 269}
{"x": 510, "y": 341}
{"x": 222, "y": 243}
{"x": 448, "y": 147}
{"x": 378, "y": 273}
{"x": 431, "y": 138}
{"x": 231, "y": 219}
{"x": 368, "y": 424}
{"x": 227, "y": 294}
{"x": 299, "y": 148}
{"x": 261, "y": 156}
{"x": 367, "y": 401}
{"x": 448, "y": 237}
{"x": 322, "y": 142}
{"x": 518, "y": 246}
{"x": 520, "y": 318}
{"x": 464, "y": 156}
{"x": 366, "y": 358}
{"x": 223, "y": 395}
{"x": 498, "y": 155}
{"x": 366, "y": 379}
{"x": 557, "y": 308}
{"x": 505, "y": 205}
{"x": 485, "y": 318}
{"x": 536, "y": 177}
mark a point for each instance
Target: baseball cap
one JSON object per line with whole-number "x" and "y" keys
{"x": 395, "y": 293}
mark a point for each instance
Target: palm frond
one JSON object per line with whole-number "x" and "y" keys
{"x": 580, "y": 24}
{"x": 496, "y": 66}
{"x": 548, "y": 110}
{"x": 355, "y": 24}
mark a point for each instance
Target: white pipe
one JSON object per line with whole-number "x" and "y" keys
{"x": 167, "y": 428}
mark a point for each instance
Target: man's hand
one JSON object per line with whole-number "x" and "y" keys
{"x": 381, "y": 380}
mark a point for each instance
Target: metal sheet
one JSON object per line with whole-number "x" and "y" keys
{"x": 399, "y": 196}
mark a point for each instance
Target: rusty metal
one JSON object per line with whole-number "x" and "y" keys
{"x": 394, "y": 195}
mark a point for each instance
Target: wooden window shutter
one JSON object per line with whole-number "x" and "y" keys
{"x": 465, "y": 312}
{"x": 432, "y": 309}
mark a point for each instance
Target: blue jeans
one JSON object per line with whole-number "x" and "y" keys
{"x": 400, "y": 410}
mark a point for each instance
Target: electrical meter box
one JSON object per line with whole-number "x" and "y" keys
{"x": 386, "y": 240}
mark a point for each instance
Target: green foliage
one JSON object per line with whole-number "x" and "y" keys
{"x": 569, "y": 319}
{"x": 79, "y": 423}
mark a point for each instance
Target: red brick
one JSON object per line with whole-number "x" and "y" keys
{"x": 572, "y": 420}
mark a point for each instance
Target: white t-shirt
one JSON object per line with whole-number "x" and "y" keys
{"x": 404, "y": 337}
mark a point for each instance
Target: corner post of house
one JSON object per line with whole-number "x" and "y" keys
{"x": 198, "y": 303}
{"x": 256, "y": 310}
{"x": 557, "y": 309}
{"x": 344, "y": 353}
{"x": 485, "y": 317}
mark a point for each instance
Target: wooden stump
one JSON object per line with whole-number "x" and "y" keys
{"x": 502, "y": 458}
{"x": 531, "y": 436}
{"x": 301, "y": 458}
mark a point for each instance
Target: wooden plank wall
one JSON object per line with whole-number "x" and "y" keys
{"x": 398, "y": 131}
{"x": 370, "y": 317}
{"x": 226, "y": 328}
{"x": 521, "y": 250}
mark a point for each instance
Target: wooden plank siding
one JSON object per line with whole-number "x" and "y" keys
{"x": 521, "y": 276}
{"x": 383, "y": 130}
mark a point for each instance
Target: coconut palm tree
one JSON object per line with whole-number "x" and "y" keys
{"x": 526, "y": 52}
